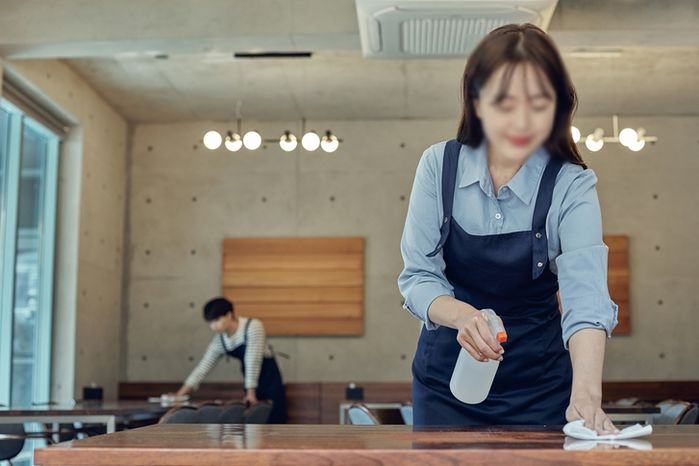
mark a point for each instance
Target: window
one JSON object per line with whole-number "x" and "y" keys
{"x": 28, "y": 179}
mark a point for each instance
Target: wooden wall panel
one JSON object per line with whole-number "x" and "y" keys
{"x": 297, "y": 286}
{"x": 618, "y": 279}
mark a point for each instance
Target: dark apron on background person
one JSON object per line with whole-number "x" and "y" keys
{"x": 509, "y": 273}
{"x": 269, "y": 385}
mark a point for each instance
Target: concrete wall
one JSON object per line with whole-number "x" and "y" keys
{"x": 92, "y": 185}
{"x": 184, "y": 199}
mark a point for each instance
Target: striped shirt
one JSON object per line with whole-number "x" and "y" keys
{"x": 254, "y": 352}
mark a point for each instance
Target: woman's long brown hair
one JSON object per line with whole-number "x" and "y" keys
{"x": 511, "y": 45}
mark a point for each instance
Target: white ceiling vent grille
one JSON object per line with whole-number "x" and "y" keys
{"x": 439, "y": 29}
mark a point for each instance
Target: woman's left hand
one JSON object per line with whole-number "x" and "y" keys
{"x": 591, "y": 411}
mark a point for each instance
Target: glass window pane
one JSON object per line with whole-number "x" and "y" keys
{"x": 31, "y": 210}
{"x": 4, "y": 138}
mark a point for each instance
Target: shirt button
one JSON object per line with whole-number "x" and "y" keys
{"x": 538, "y": 235}
{"x": 498, "y": 215}
{"x": 539, "y": 264}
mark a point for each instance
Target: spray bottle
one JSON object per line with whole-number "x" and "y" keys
{"x": 472, "y": 379}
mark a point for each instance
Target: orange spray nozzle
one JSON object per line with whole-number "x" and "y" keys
{"x": 495, "y": 324}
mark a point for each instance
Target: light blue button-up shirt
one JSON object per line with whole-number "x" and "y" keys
{"x": 577, "y": 254}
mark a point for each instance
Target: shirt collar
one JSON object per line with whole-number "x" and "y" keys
{"x": 522, "y": 184}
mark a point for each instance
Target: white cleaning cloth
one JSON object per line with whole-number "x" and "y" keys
{"x": 576, "y": 429}
{"x": 635, "y": 444}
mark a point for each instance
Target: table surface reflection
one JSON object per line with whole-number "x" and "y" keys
{"x": 213, "y": 444}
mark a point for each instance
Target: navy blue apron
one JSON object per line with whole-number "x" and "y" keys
{"x": 269, "y": 385}
{"x": 509, "y": 273}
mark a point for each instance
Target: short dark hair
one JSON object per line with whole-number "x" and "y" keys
{"x": 217, "y": 307}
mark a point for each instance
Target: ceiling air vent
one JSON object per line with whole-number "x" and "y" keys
{"x": 439, "y": 29}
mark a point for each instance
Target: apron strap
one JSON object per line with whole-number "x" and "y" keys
{"x": 245, "y": 342}
{"x": 223, "y": 342}
{"x": 449, "y": 167}
{"x": 540, "y": 256}
{"x": 247, "y": 326}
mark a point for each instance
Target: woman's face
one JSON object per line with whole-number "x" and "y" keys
{"x": 518, "y": 124}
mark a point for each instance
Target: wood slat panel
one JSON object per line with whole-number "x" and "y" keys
{"x": 293, "y": 262}
{"x": 616, "y": 243}
{"x": 624, "y": 326}
{"x": 294, "y": 245}
{"x": 297, "y": 286}
{"x": 619, "y": 279}
{"x": 276, "y": 278}
{"x": 266, "y": 311}
{"x": 336, "y": 327}
{"x": 327, "y": 294}
{"x": 619, "y": 274}
{"x": 617, "y": 259}
{"x": 619, "y": 292}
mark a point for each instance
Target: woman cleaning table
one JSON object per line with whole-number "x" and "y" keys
{"x": 503, "y": 217}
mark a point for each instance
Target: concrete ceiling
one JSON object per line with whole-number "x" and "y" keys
{"x": 648, "y": 65}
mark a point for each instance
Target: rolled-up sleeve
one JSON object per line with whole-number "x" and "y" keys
{"x": 582, "y": 264}
{"x": 422, "y": 278}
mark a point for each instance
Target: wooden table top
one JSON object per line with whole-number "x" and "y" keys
{"x": 308, "y": 445}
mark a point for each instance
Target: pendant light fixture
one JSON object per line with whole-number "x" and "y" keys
{"x": 633, "y": 139}
{"x": 288, "y": 141}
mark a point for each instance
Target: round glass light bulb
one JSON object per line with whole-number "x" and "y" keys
{"x": 252, "y": 140}
{"x": 288, "y": 142}
{"x": 310, "y": 141}
{"x": 638, "y": 145}
{"x": 233, "y": 142}
{"x": 576, "y": 134}
{"x": 628, "y": 136}
{"x": 212, "y": 140}
{"x": 329, "y": 143}
{"x": 593, "y": 144}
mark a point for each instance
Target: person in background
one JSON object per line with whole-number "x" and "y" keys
{"x": 242, "y": 338}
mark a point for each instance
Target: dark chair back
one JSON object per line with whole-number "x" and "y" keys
{"x": 210, "y": 414}
{"x": 690, "y": 416}
{"x": 258, "y": 414}
{"x": 12, "y": 438}
{"x": 181, "y": 415}
{"x": 232, "y": 414}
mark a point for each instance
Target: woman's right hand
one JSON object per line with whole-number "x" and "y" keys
{"x": 475, "y": 337}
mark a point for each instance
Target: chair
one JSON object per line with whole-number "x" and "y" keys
{"x": 210, "y": 414}
{"x": 232, "y": 414}
{"x": 258, "y": 414}
{"x": 406, "y": 412}
{"x": 180, "y": 415}
{"x": 691, "y": 415}
{"x": 12, "y": 437}
{"x": 676, "y": 412}
{"x": 360, "y": 415}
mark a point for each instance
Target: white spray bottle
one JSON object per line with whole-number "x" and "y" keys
{"x": 471, "y": 380}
